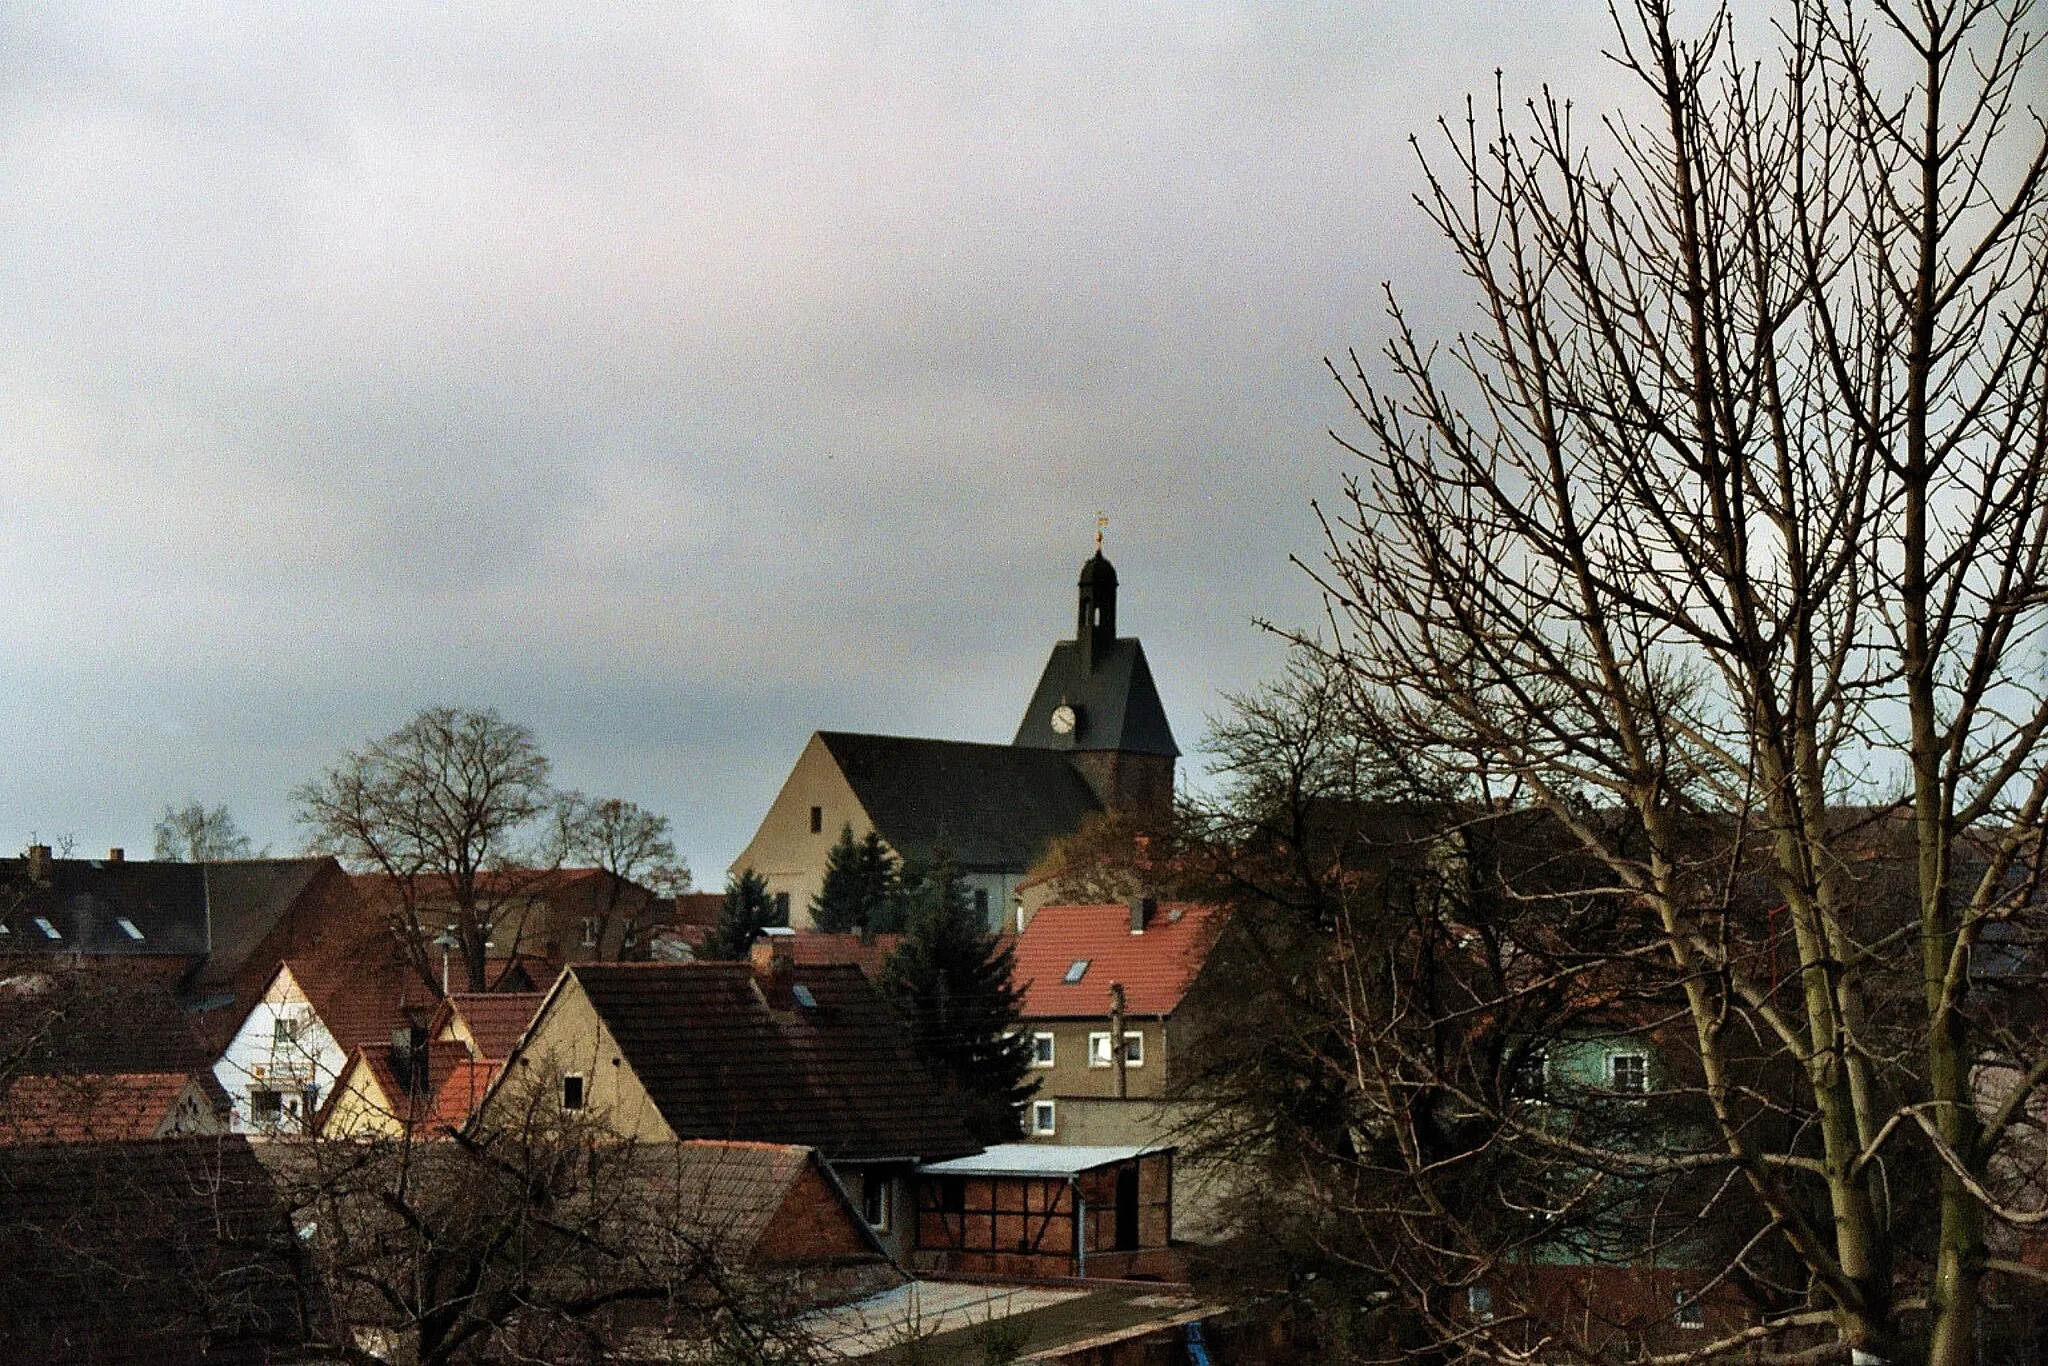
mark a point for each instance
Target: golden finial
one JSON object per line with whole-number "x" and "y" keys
{"x": 1101, "y": 523}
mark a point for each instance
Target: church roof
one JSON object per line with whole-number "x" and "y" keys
{"x": 991, "y": 806}
{"x": 1115, "y": 702}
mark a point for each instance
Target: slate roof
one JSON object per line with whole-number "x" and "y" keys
{"x": 84, "y": 901}
{"x": 718, "y": 1063}
{"x": 174, "y": 1250}
{"x": 495, "y": 1019}
{"x": 1156, "y": 967}
{"x": 994, "y": 807}
{"x": 1116, "y": 703}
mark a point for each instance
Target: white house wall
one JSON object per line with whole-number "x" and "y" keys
{"x": 303, "y": 1070}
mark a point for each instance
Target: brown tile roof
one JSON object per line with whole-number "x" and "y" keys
{"x": 811, "y": 948}
{"x": 719, "y": 1063}
{"x": 1156, "y": 967}
{"x": 699, "y": 908}
{"x": 495, "y": 1019}
{"x": 175, "y": 1250}
{"x": 99, "y": 1016}
{"x": 80, "y": 1108}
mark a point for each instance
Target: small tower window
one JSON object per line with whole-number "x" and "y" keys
{"x": 572, "y": 1092}
{"x": 817, "y": 820}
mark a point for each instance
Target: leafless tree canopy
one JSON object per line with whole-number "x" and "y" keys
{"x": 197, "y": 833}
{"x": 631, "y": 844}
{"x": 1719, "y": 543}
{"x": 444, "y": 809}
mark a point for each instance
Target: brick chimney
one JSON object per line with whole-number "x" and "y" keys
{"x": 117, "y": 855}
{"x": 1143, "y": 908}
{"x": 39, "y": 863}
{"x": 773, "y": 958}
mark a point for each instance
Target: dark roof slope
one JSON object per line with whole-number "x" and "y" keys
{"x": 992, "y": 806}
{"x": 245, "y": 899}
{"x": 98, "y": 1016}
{"x": 719, "y": 1063}
{"x": 83, "y": 901}
{"x": 1116, "y": 703}
{"x": 173, "y": 1250}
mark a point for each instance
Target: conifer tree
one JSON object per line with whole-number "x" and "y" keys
{"x": 951, "y": 983}
{"x": 748, "y": 910}
{"x": 862, "y": 888}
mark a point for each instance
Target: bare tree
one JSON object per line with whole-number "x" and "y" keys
{"x": 196, "y": 833}
{"x": 445, "y": 809}
{"x": 542, "y": 1237}
{"x": 1728, "y": 519}
{"x": 633, "y": 846}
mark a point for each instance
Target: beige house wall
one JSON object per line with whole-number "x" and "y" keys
{"x": 784, "y": 850}
{"x": 1198, "y": 1188}
{"x": 1071, "y": 1076}
{"x": 361, "y": 1109}
{"x": 570, "y": 1039}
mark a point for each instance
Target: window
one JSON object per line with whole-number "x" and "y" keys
{"x": 284, "y": 1031}
{"x": 128, "y": 927}
{"x": 782, "y": 908}
{"x": 49, "y": 931}
{"x": 1134, "y": 1049}
{"x": 1044, "y": 1117}
{"x": 981, "y": 904}
{"x": 1530, "y": 1078}
{"x": 1690, "y": 1312}
{"x": 874, "y": 1201}
{"x": 589, "y": 931}
{"x": 1479, "y": 1302}
{"x": 1041, "y": 1050}
{"x": 817, "y": 820}
{"x": 1629, "y": 1073}
{"x": 572, "y": 1092}
{"x": 1074, "y": 971}
{"x": 266, "y": 1108}
{"x": 803, "y": 996}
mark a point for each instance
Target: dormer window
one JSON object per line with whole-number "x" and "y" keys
{"x": 128, "y": 928}
{"x": 49, "y": 931}
{"x": 1076, "y": 971}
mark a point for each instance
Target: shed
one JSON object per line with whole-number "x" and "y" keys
{"x": 1030, "y": 1209}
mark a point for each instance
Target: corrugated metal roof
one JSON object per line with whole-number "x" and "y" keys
{"x": 1038, "y": 1159}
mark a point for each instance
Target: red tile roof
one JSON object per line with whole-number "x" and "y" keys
{"x": 456, "y": 1098}
{"x": 495, "y": 1019}
{"x": 1156, "y": 967}
{"x": 80, "y": 1108}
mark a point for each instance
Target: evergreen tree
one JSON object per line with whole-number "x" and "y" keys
{"x": 749, "y": 909}
{"x": 863, "y": 887}
{"x": 950, "y": 982}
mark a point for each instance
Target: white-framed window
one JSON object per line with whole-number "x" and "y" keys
{"x": 1479, "y": 1302}
{"x": 1134, "y": 1049}
{"x": 286, "y": 1029}
{"x": 1628, "y": 1074}
{"x": 1042, "y": 1050}
{"x": 874, "y": 1201}
{"x": 1689, "y": 1313}
{"x": 1044, "y": 1117}
{"x": 572, "y": 1091}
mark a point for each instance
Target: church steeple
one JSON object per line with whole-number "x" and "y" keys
{"x": 1095, "y": 630}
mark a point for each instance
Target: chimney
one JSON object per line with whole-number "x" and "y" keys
{"x": 117, "y": 855}
{"x": 39, "y": 863}
{"x": 1142, "y": 910}
{"x": 773, "y": 958}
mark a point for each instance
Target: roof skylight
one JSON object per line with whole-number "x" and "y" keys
{"x": 1074, "y": 973}
{"x": 43, "y": 924}
{"x": 128, "y": 928}
{"x": 804, "y": 997}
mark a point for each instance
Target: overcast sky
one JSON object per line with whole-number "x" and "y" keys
{"x": 676, "y": 379}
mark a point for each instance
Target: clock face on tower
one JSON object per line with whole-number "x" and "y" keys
{"x": 1063, "y": 719}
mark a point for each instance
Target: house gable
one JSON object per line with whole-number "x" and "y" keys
{"x": 785, "y": 849}
{"x": 568, "y": 1038}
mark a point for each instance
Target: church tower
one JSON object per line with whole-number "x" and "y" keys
{"x": 1096, "y": 703}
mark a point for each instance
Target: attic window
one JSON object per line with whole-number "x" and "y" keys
{"x": 49, "y": 930}
{"x": 804, "y": 997}
{"x": 1080, "y": 966}
{"x": 128, "y": 928}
